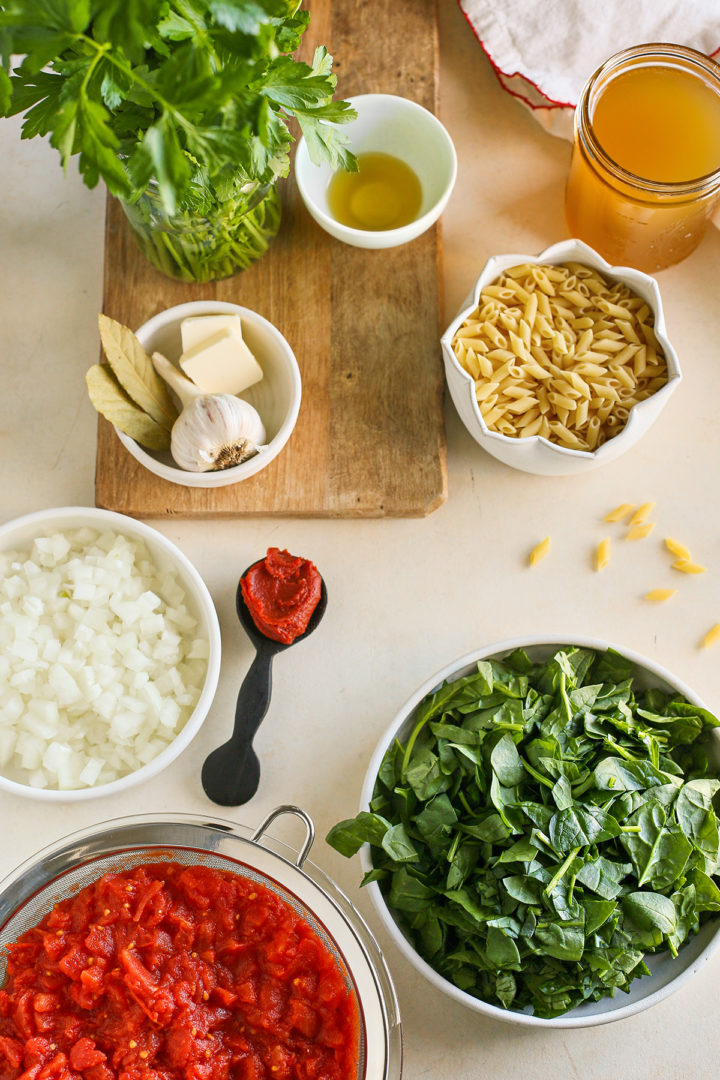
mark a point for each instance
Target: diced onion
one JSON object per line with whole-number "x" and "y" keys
{"x": 101, "y": 663}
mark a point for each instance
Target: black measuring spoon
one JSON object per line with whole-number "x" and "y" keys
{"x": 231, "y": 773}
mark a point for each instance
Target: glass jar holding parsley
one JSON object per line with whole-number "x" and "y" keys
{"x": 203, "y": 243}
{"x": 181, "y": 107}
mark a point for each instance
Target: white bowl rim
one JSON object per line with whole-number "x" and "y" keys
{"x": 97, "y": 517}
{"x": 176, "y": 475}
{"x": 579, "y": 251}
{"x": 566, "y": 1020}
{"x": 419, "y": 225}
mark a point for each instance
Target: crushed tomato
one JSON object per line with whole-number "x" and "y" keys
{"x": 170, "y": 972}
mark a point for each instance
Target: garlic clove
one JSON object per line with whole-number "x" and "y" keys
{"x": 216, "y": 431}
{"x": 185, "y": 388}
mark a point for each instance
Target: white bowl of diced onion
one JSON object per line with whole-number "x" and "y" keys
{"x": 109, "y": 653}
{"x": 535, "y": 453}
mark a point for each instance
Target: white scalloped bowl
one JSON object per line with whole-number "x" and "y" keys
{"x": 667, "y": 974}
{"x": 536, "y": 454}
{"x": 276, "y": 397}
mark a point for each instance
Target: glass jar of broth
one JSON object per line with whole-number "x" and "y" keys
{"x": 645, "y": 171}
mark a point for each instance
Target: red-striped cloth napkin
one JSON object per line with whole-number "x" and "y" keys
{"x": 543, "y": 53}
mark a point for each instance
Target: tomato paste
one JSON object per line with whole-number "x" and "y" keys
{"x": 281, "y": 592}
{"x": 169, "y": 972}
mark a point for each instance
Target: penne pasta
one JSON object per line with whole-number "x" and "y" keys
{"x": 642, "y": 513}
{"x": 527, "y": 419}
{"x": 530, "y": 312}
{"x": 539, "y": 551}
{"x": 562, "y": 347}
{"x": 620, "y": 512}
{"x": 685, "y": 566}
{"x": 485, "y": 364}
{"x": 472, "y": 365}
{"x": 677, "y": 549}
{"x": 602, "y": 554}
{"x": 639, "y": 532}
{"x": 629, "y": 332}
{"x": 485, "y": 390}
{"x": 521, "y": 405}
{"x": 658, "y": 596}
{"x": 712, "y": 637}
{"x": 532, "y": 428}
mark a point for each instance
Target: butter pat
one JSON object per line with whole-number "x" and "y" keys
{"x": 221, "y": 364}
{"x": 196, "y": 329}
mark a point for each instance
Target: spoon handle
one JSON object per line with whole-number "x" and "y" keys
{"x": 231, "y": 773}
{"x": 252, "y": 704}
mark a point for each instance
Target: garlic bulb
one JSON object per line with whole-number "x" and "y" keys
{"x": 213, "y": 431}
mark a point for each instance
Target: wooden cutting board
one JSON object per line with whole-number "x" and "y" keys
{"x": 370, "y": 439}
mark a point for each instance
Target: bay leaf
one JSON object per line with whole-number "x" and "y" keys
{"x": 115, "y": 405}
{"x": 134, "y": 370}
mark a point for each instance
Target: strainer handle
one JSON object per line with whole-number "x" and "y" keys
{"x": 306, "y": 820}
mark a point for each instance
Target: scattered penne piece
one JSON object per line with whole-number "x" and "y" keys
{"x": 602, "y": 554}
{"x": 677, "y": 549}
{"x": 619, "y": 512}
{"x": 539, "y": 551}
{"x": 711, "y": 637}
{"x": 642, "y": 514}
{"x": 639, "y": 532}
{"x": 685, "y": 566}
{"x": 659, "y": 595}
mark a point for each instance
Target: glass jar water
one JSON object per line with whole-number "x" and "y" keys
{"x": 205, "y": 246}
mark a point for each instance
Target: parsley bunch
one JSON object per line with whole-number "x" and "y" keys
{"x": 191, "y": 97}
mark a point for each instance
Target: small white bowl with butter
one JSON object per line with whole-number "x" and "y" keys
{"x": 251, "y": 359}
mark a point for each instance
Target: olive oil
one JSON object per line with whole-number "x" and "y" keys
{"x": 383, "y": 194}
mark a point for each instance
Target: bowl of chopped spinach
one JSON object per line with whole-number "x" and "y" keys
{"x": 539, "y": 832}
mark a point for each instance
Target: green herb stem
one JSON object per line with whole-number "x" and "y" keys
{"x": 562, "y": 870}
{"x": 580, "y": 789}
{"x": 621, "y": 750}
{"x": 103, "y": 49}
{"x": 538, "y": 775}
{"x": 546, "y": 840}
{"x": 192, "y": 249}
{"x": 453, "y": 847}
{"x": 411, "y": 743}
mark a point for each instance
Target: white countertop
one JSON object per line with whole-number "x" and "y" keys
{"x": 405, "y": 596}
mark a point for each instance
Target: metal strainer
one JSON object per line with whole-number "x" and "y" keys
{"x": 65, "y": 868}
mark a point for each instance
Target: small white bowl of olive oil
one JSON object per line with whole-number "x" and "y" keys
{"x": 407, "y": 168}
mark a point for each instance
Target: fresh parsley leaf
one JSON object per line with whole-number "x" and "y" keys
{"x": 195, "y": 97}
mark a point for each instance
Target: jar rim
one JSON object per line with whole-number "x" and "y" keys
{"x": 662, "y": 52}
